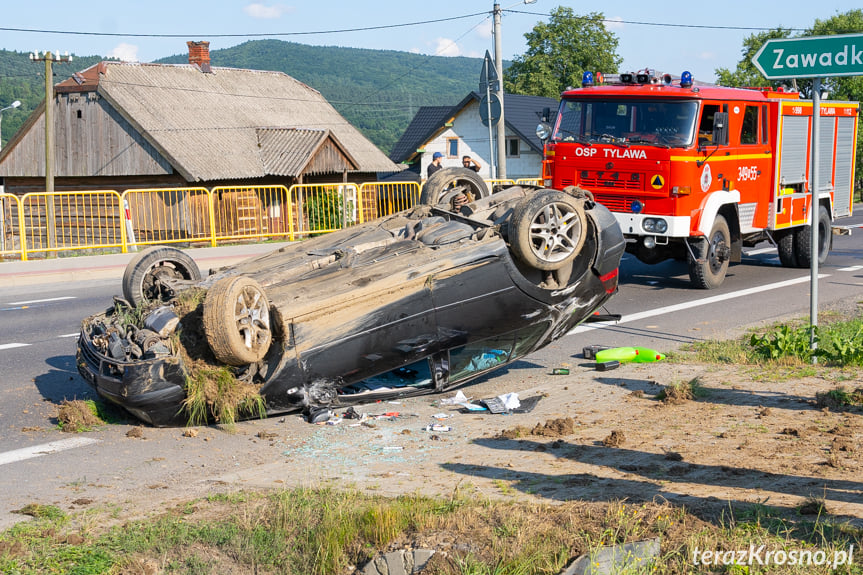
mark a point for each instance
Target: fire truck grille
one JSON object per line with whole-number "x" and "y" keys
{"x": 611, "y": 180}
{"x": 614, "y": 203}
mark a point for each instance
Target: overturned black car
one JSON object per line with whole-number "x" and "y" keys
{"x": 418, "y": 302}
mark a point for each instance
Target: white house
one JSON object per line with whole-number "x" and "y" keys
{"x": 458, "y": 131}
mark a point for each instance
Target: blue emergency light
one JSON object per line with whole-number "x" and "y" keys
{"x": 686, "y": 79}
{"x": 587, "y": 79}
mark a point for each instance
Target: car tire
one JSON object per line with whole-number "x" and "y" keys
{"x": 237, "y": 321}
{"x": 141, "y": 280}
{"x": 709, "y": 273}
{"x": 437, "y": 188}
{"x": 785, "y": 247}
{"x": 802, "y": 240}
{"x": 547, "y": 229}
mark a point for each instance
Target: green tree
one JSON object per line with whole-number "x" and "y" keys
{"x": 559, "y": 51}
{"x": 844, "y": 88}
{"x": 839, "y": 88}
{"x": 746, "y": 74}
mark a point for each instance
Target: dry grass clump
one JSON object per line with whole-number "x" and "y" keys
{"x": 78, "y": 415}
{"x": 681, "y": 392}
{"x": 552, "y": 428}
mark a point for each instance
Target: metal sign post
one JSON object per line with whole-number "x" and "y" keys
{"x": 487, "y": 107}
{"x": 813, "y": 220}
{"x": 812, "y": 57}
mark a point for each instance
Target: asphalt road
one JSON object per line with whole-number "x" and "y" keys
{"x": 39, "y": 324}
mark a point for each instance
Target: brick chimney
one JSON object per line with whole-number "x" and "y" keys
{"x": 199, "y": 54}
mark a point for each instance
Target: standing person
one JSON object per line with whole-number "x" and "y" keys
{"x": 437, "y": 158}
{"x": 470, "y": 163}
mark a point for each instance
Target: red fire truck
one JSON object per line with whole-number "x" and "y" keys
{"x": 697, "y": 172}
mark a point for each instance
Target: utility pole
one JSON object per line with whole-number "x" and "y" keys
{"x": 501, "y": 124}
{"x": 49, "y": 58}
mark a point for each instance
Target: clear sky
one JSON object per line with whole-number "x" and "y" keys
{"x": 668, "y": 35}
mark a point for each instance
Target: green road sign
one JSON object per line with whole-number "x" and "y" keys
{"x": 810, "y": 57}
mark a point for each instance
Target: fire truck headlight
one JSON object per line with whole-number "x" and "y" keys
{"x": 654, "y": 225}
{"x": 543, "y": 131}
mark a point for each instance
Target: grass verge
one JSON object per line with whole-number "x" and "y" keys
{"x": 311, "y": 532}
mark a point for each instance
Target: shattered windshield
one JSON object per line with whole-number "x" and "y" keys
{"x": 668, "y": 123}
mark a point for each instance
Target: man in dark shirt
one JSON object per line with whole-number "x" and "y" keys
{"x": 437, "y": 158}
{"x": 470, "y": 163}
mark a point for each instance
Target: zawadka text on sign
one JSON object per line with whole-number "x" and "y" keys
{"x": 803, "y": 60}
{"x": 809, "y": 57}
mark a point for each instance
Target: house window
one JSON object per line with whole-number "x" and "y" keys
{"x": 452, "y": 147}
{"x": 513, "y": 148}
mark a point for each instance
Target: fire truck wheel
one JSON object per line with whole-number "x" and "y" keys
{"x": 708, "y": 271}
{"x": 444, "y": 184}
{"x": 547, "y": 229}
{"x": 803, "y": 240}
{"x": 785, "y": 246}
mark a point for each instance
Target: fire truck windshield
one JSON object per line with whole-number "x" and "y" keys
{"x": 665, "y": 123}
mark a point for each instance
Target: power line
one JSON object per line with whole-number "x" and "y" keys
{"x": 244, "y": 35}
{"x": 663, "y": 24}
{"x": 386, "y": 27}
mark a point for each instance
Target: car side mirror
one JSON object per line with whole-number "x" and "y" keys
{"x": 720, "y": 128}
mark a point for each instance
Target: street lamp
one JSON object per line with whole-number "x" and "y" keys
{"x": 12, "y": 106}
{"x": 498, "y": 62}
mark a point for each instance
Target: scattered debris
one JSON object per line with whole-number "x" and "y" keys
{"x": 553, "y": 428}
{"x": 136, "y": 432}
{"x": 814, "y": 506}
{"x": 560, "y": 371}
{"x": 607, "y": 365}
{"x": 615, "y": 439}
{"x": 589, "y": 352}
{"x": 190, "y": 432}
{"x": 633, "y": 556}
{"x": 402, "y": 561}
{"x": 438, "y": 427}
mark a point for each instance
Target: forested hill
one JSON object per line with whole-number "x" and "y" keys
{"x": 24, "y": 80}
{"x": 378, "y": 91}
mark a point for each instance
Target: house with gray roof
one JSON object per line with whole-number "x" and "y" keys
{"x": 122, "y": 125}
{"x": 458, "y": 131}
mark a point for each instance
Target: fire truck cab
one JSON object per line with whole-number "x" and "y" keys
{"x": 697, "y": 172}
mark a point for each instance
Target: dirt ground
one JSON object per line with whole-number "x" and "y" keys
{"x": 597, "y": 436}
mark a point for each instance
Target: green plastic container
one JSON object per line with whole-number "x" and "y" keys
{"x": 629, "y": 355}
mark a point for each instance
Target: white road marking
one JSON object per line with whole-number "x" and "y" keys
{"x": 851, "y": 269}
{"x": 45, "y": 449}
{"x": 76, "y": 334}
{"x": 12, "y": 345}
{"x": 41, "y": 300}
{"x": 691, "y": 304}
